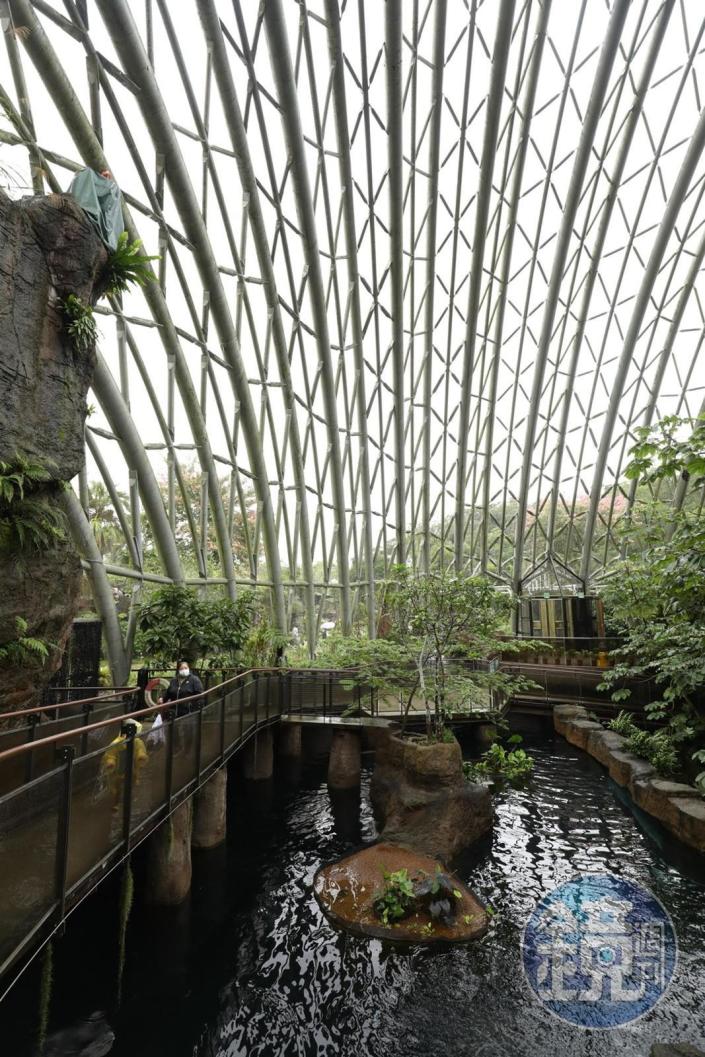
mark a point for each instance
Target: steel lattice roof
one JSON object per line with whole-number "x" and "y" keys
{"x": 425, "y": 268}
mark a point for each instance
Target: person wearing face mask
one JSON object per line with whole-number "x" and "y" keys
{"x": 186, "y": 684}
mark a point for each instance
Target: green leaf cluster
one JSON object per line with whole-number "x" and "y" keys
{"x": 655, "y": 599}
{"x": 177, "y": 622}
{"x": 24, "y": 650}
{"x": 397, "y": 897}
{"x": 80, "y": 323}
{"x": 498, "y": 764}
{"x": 29, "y": 515}
{"x": 127, "y": 265}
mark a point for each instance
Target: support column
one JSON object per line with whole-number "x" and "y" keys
{"x": 344, "y": 760}
{"x": 259, "y": 756}
{"x": 210, "y": 812}
{"x": 485, "y": 735}
{"x": 289, "y": 744}
{"x": 169, "y": 859}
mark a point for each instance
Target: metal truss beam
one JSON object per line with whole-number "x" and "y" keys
{"x": 282, "y": 69}
{"x": 118, "y": 19}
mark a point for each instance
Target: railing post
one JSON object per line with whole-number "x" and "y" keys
{"x": 330, "y": 693}
{"x": 222, "y": 725}
{"x": 242, "y": 707}
{"x": 129, "y": 751}
{"x": 171, "y": 729}
{"x": 67, "y": 754}
{"x": 86, "y": 709}
{"x": 199, "y": 739}
{"x": 34, "y": 720}
{"x": 256, "y": 693}
{"x": 268, "y": 691}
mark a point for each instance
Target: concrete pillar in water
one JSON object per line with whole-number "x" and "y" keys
{"x": 169, "y": 859}
{"x": 344, "y": 760}
{"x": 259, "y": 756}
{"x": 485, "y": 735}
{"x": 290, "y": 739}
{"x": 209, "y": 812}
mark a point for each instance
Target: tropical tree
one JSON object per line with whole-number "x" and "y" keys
{"x": 177, "y": 622}
{"x": 655, "y": 598}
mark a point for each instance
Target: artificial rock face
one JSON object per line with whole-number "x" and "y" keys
{"x": 48, "y": 250}
{"x": 422, "y": 800}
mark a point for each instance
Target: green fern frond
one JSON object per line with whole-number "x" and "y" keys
{"x": 128, "y": 265}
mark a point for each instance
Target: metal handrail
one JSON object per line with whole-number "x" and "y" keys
{"x": 233, "y": 710}
{"x": 98, "y": 698}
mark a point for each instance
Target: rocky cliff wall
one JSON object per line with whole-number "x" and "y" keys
{"x": 48, "y": 250}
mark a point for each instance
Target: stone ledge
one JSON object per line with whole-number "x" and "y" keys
{"x": 679, "y": 807}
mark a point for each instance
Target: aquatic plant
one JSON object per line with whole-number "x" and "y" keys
{"x": 512, "y": 766}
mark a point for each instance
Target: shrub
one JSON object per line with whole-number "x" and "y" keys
{"x": 177, "y": 622}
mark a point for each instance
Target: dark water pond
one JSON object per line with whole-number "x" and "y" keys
{"x": 252, "y": 968}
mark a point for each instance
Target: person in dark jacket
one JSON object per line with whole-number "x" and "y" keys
{"x": 186, "y": 684}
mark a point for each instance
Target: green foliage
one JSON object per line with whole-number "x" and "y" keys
{"x": 657, "y": 747}
{"x": 397, "y": 897}
{"x": 29, "y": 516}
{"x": 382, "y": 665}
{"x": 127, "y": 265}
{"x": 80, "y": 323}
{"x": 262, "y": 645}
{"x": 660, "y": 454}
{"x": 24, "y": 650}
{"x": 18, "y": 477}
{"x": 655, "y": 599}
{"x": 623, "y": 724}
{"x": 513, "y": 766}
{"x": 177, "y": 623}
{"x": 441, "y": 614}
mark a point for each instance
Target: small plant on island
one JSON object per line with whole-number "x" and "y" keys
{"x": 512, "y": 766}
{"x": 397, "y": 899}
{"x": 402, "y": 896}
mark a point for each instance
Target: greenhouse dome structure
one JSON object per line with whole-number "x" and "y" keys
{"x": 352, "y": 541}
{"x": 422, "y": 269}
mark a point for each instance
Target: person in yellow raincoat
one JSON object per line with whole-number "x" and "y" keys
{"x": 114, "y": 762}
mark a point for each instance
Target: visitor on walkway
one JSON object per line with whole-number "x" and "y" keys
{"x": 186, "y": 684}
{"x": 113, "y": 764}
